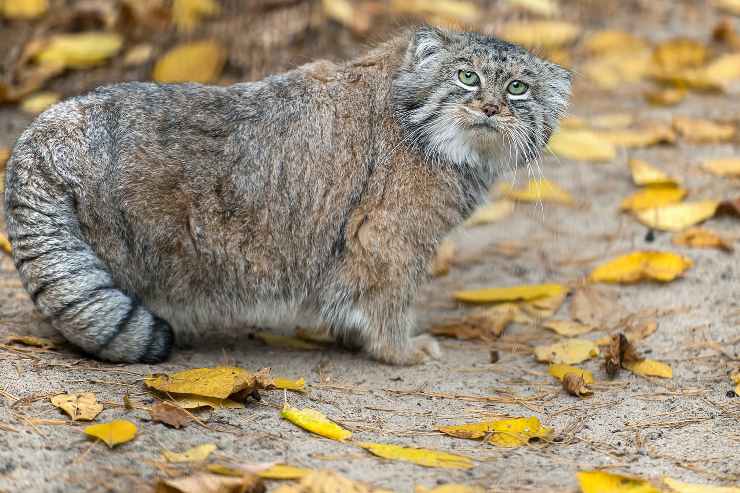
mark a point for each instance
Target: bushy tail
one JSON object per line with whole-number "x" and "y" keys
{"x": 68, "y": 283}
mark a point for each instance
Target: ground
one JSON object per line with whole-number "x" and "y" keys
{"x": 687, "y": 427}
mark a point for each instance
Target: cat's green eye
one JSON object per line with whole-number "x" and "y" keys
{"x": 517, "y": 88}
{"x": 468, "y": 77}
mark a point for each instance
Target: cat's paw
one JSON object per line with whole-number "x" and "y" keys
{"x": 415, "y": 351}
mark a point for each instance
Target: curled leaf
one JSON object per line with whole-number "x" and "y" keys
{"x": 315, "y": 422}
{"x": 287, "y": 384}
{"x": 567, "y": 328}
{"x": 575, "y": 385}
{"x": 420, "y": 456}
{"x": 559, "y": 371}
{"x": 649, "y": 368}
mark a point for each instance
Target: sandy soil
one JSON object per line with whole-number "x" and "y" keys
{"x": 687, "y": 428}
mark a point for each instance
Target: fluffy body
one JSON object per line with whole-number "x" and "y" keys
{"x": 319, "y": 194}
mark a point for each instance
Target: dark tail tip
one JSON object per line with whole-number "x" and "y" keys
{"x": 160, "y": 344}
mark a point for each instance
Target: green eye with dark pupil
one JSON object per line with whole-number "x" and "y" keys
{"x": 517, "y": 88}
{"x": 468, "y": 77}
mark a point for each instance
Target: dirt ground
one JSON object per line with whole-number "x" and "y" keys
{"x": 687, "y": 427}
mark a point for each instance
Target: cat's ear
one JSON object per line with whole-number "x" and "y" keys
{"x": 426, "y": 43}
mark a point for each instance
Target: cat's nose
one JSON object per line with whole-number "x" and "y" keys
{"x": 491, "y": 109}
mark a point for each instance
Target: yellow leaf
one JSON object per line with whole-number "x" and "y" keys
{"x": 344, "y": 12}
{"x": 452, "y": 10}
{"x": 613, "y": 120}
{"x": 602, "y": 42}
{"x": 669, "y": 96}
{"x": 218, "y": 383}
{"x": 681, "y": 487}
{"x": 4, "y": 156}
{"x": 559, "y": 371}
{"x": 198, "y": 61}
{"x": 23, "y": 9}
{"x": 515, "y": 293}
{"x": 283, "y": 471}
{"x": 491, "y": 213}
{"x": 649, "y": 368}
{"x": 485, "y": 325}
{"x": 420, "y": 456}
{"x": 186, "y": 401}
{"x": 39, "y": 102}
{"x": 80, "y": 50}
{"x": 729, "y": 6}
{"x": 581, "y": 145}
{"x": 606, "y": 482}
{"x": 642, "y": 265}
{"x": 542, "y": 308}
{"x": 698, "y": 130}
{"x": 539, "y": 190}
{"x": 701, "y": 238}
{"x": 327, "y": 482}
{"x": 570, "y": 352}
{"x": 546, "y": 8}
{"x": 644, "y": 173}
{"x": 5, "y": 245}
{"x": 724, "y": 166}
{"x": 679, "y": 53}
{"x": 31, "y": 341}
{"x": 653, "y": 196}
{"x": 645, "y": 136}
{"x": 195, "y": 454}
{"x": 287, "y": 384}
{"x": 677, "y": 217}
{"x": 82, "y": 407}
{"x": 722, "y": 71}
{"x": 567, "y": 327}
{"x": 443, "y": 258}
{"x": 138, "y": 54}
{"x": 286, "y": 342}
{"x": 735, "y": 377}
{"x": 315, "y": 422}
{"x": 113, "y": 433}
{"x": 186, "y": 14}
{"x": 616, "y": 69}
{"x": 540, "y": 34}
{"x": 509, "y": 433}
{"x": 450, "y": 488}
{"x": 203, "y": 482}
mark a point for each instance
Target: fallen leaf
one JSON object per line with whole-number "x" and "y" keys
{"x": 195, "y": 454}
{"x": 197, "y": 61}
{"x": 570, "y": 352}
{"x": 606, "y": 482}
{"x": 218, "y": 383}
{"x": 559, "y": 371}
{"x": 702, "y": 238}
{"x": 539, "y": 190}
{"x": 315, "y": 422}
{"x": 39, "y": 102}
{"x": 450, "y": 488}
{"x": 283, "y": 471}
{"x": 575, "y": 385}
{"x": 581, "y": 145}
{"x": 525, "y": 292}
{"x": 724, "y": 166}
{"x": 700, "y": 131}
{"x": 644, "y": 173}
{"x": 716, "y": 76}
{"x": 353, "y": 16}
{"x": 187, "y": 14}
{"x": 485, "y": 325}
{"x": 593, "y": 305}
{"x": 491, "y": 213}
{"x": 547, "y": 8}
{"x": 287, "y": 384}
{"x": 420, "y": 456}
{"x": 735, "y": 377}
{"x": 30, "y": 341}
{"x": 5, "y": 245}
{"x": 539, "y": 309}
{"x": 729, "y": 207}
{"x": 619, "y": 353}
{"x": 653, "y": 196}
{"x": 540, "y": 34}
{"x": 440, "y": 10}
{"x": 637, "y": 330}
{"x": 203, "y": 482}
{"x": 138, "y": 54}
{"x": 644, "y": 136}
{"x": 616, "y": 69}
{"x": 678, "y": 54}
{"x": 613, "y": 120}
{"x": 4, "y": 156}
{"x": 79, "y": 407}
{"x": 113, "y": 433}
{"x": 23, "y": 9}
{"x": 649, "y": 368}
{"x": 677, "y": 217}
{"x": 170, "y": 414}
{"x": 509, "y": 433}
{"x": 79, "y": 50}
{"x": 286, "y": 342}
{"x": 729, "y": 6}
{"x": 681, "y": 487}
{"x": 443, "y": 258}
{"x": 669, "y": 96}
{"x": 194, "y": 402}
{"x": 609, "y": 41}
{"x": 642, "y": 265}
{"x": 327, "y": 482}
{"x": 567, "y": 328}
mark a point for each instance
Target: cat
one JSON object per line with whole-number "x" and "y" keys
{"x": 318, "y": 194}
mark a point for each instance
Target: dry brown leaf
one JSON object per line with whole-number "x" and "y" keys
{"x": 575, "y": 385}
{"x": 23, "y": 9}
{"x": 187, "y": 14}
{"x": 570, "y": 352}
{"x": 669, "y": 96}
{"x": 702, "y": 238}
{"x": 619, "y": 352}
{"x": 203, "y": 482}
{"x": 595, "y": 306}
{"x": 701, "y": 131}
{"x": 729, "y": 207}
{"x": 327, "y": 482}
{"x": 79, "y": 407}
{"x": 723, "y": 166}
{"x": 170, "y": 414}
{"x": 443, "y": 258}
{"x": 198, "y": 61}
{"x": 287, "y": 342}
{"x": 485, "y": 325}
{"x": 567, "y": 328}
{"x": 640, "y": 329}
{"x": 540, "y": 34}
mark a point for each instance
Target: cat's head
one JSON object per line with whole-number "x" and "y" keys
{"x": 474, "y": 100}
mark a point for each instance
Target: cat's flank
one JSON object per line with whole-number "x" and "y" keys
{"x": 142, "y": 213}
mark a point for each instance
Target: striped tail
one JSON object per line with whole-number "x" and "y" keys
{"x": 68, "y": 283}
